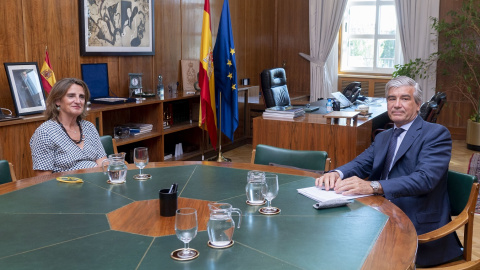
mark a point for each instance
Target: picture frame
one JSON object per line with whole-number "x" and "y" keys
{"x": 26, "y": 87}
{"x": 190, "y": 69}
{"x": 117, "y": 27}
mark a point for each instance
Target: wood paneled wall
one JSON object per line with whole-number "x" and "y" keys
{"x": 266, "y": 33}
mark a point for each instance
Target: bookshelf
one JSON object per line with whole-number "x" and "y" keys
{"x": 16, "y": 134}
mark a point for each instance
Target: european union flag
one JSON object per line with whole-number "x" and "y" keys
{"x": 226, "y": 75}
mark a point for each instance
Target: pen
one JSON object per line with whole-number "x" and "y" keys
{"x": 171, "y": 189}
{"x": 175, "y": 187}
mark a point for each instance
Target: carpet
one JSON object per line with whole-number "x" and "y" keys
{"x": 474, "y": 169}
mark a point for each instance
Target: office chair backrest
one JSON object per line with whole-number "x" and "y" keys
{"x": 428, "y": 111}
{"x": 309, "y": 160}
{"x": 439, "y": 98}
{"x": 274, "y": 87}
{"x": 459, "y": 186}
{"x": 6, "y": 170}
{"x": 108, "y": 144}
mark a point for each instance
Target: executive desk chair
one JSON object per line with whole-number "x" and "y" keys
{"x": 7, "y": 174}
{"x": 463, "y": 194}
{"x": 298, "y": 159}
{"x": 109, "y": 144}
{"x": 439, "y": 98}
{"x": 274, "y": 87}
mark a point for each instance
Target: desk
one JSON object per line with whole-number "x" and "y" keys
{"x": 311, "y": 132}
{"x": 46, "y": 224}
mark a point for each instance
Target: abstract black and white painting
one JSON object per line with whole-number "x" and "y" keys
{"x": 117, "y": 27}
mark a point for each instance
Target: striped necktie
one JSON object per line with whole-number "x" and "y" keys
{"x": 391, "y": 152}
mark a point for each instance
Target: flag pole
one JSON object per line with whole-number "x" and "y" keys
{"x": 220, "y": 157}
{"x": 203, "y": 143}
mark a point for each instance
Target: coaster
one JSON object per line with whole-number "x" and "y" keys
{"x": 175, "y": 256}
{"x": 250, "y": 203}
{"x": 271, "y": 211}
{"x": 111, "y": 183}
{"x": 142, "y": 176}
{"x": 226, "y": 246}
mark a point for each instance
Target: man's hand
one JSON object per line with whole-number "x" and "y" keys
{"x": 355, "y": 186}
{"x": 329, "y": 180}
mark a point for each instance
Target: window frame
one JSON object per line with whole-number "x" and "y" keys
{"x": 398, "y": 59}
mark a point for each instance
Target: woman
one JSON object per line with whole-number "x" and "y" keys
{"x": 65, "y": 141}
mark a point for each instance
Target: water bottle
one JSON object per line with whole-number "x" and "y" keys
{"x": 329, "y": 106}
{"x": 160, "y": 89}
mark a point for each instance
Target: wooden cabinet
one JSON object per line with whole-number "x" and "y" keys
{"x": 15, "y": 135}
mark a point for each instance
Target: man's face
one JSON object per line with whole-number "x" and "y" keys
{"x": 401, "y": 105}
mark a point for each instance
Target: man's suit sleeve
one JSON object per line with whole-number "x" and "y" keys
{"x": 361, "y": 166}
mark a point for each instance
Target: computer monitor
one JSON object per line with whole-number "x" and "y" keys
{"x": 96, "y": 78}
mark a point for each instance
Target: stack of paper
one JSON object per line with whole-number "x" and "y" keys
{"x": 281, "y": 112}
{"x": 320, "y": 195}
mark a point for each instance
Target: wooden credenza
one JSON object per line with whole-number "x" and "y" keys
{"x": 342, "y": 142}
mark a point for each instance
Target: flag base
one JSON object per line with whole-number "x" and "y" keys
{"x": 220, "y": 158}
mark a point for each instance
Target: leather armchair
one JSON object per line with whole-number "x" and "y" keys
{"x": 274, "y": 87}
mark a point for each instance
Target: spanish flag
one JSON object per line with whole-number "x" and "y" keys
{"x": 206, "y": 80}
{"x": 48, "y": 77}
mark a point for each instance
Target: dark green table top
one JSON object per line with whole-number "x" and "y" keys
{"x": 54, "y": 225}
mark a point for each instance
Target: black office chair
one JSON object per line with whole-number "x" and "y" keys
{"x": 439, "y": 98}
{"x": 428, "y": 111}
{"x": 274, "y": 87}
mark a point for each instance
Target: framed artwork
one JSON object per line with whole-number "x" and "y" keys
{"x": 117, "y": 27}
{"x": 190, "y": 69}
{"x": 26, "y": 87}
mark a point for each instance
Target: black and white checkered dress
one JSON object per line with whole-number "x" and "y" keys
{"x": 53, "y": 150}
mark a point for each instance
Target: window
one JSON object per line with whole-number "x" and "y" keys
{"x": 370, "y": 42}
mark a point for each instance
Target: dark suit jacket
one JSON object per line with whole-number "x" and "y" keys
{"x": 417, "y": 182}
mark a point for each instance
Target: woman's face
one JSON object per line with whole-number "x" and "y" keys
{"x": 73, "y": 102}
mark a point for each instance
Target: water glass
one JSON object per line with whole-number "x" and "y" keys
{"x": 270, "y": 191}
{"x": 186, "y": 226}
{"x": 141, "y": 160}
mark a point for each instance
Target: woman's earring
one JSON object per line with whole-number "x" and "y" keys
{"x": 58, "y": 108}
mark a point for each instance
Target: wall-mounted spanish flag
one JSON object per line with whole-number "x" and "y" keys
{"x": 48, "y": 77}
{"x": 206, "y": 80}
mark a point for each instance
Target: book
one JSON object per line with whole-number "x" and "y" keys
{"x": 138, "y": 126}
{"x": 321, "y": 195}
{"x": 284, "y": 114}
{"x": 285, "y": 110}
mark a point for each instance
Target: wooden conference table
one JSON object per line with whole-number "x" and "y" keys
{"x": 342, "y": 142}
{"x": 46, "y": 224}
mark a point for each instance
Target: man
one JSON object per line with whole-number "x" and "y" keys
{"x": 414, "y": 177}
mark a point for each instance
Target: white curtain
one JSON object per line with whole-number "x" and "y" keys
{"x": 417, "y": 36}
{"x": 325, "y": 17}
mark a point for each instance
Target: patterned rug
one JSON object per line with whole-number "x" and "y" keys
{"x": 474, "y": 169}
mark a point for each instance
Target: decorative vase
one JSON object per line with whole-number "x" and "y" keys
{"x": 473, "y": 135}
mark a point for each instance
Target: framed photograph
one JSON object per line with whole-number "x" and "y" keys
{"x": 117, "y": 27}
{"x": 27, "y": 91}
{"x": 190, "y": 69}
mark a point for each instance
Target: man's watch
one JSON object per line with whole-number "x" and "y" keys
{"x": 375, "y": 185}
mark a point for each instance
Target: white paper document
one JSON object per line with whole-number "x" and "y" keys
{"x": 320, "y": 195}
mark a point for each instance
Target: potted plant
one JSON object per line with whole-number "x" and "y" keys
{"x": 460, "y": 55}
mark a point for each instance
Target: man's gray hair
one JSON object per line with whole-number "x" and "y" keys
{"x": 405, "y": 81}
